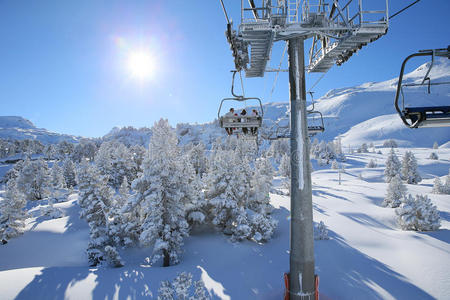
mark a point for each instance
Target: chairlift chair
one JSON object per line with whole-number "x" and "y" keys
{"x": 315, "y": 128}
{"x": 426, "y": 116}
{"x": 248, "y": 121}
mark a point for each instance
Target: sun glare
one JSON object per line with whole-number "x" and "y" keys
{"x": 141, "y": 65}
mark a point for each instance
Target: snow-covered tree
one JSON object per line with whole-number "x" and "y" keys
{"x": 138, "y": 153}
{"x": 371, "y": 164}
{"x": 69, "y": 173}
{"x": 115, "y": 160}
{"x": 14, "y": 172}
{"x": 193, "y": 199}
{"x": 321, "y": 231}
{"x": 278, "y": 148}
{"x": 51, "y": 211}
{"x": 395, "y": 192}
{"x": 57, "y": 177}
{"x": 160, "y": 196}
{"x": 418, "y": 214}
{"x": 390, "y": 144}
{"x": 435, "y": 145}
{"x": 227, "y": 188}
{"x": 438, "y": 188}
{"x": 335, "y": 165}
{"x": 446, "y": 187}
{"x": 363, "y": 148}
{"x": 262, "y": 226}
{"x": 112, "y": 257}
{"x": 12, "y": 212}
{"x": 34, "y": 179}
{"x": 392, "y": 166}
{"x": 408, "y": 170}
{"x": 198, "y": 159}
{"x": 181, "y": 289}
{"x": 433, "y": 156}
{"x": 285, "y": 166}
{"x": 95, "y": 201}
{"x": 261, "y": 183}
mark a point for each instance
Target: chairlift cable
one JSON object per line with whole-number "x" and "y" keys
{"x": 278, "y": 72}
{"x": 281, "y": 60}
{"x": 314, "y": 85}
{"x": 401, "y": 10}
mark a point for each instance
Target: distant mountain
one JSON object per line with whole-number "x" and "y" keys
{"x": 360, "y": 114}
{"x": 18, "y": 128}
{"x": 366, "y": 113}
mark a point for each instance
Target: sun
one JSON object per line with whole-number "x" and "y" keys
{"x": 141, "y": 65}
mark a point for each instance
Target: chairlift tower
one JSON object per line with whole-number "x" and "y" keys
{"x": 337, "y": 29}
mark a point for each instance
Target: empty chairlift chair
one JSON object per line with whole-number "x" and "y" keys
{"x": 423, "y": 116}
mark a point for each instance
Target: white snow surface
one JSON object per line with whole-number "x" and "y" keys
{"x": 366, "y": 257}
{"x": 18, "y": 128}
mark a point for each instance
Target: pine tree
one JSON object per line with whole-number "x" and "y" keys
{"x": 446, "y": 187}
{"x": 14, "y": 172}
{"x": 418, "y": 214}
{"x": 181, "y": 287}
{"x": 261, "y": 183}
{"x": 409, "y": 169}
{"x": 193, "y": 199}
{"x": 334, "y": 165}
{"x": 438, "y": 188}
{"x": 69, "y": 173}
{"x": 12, "y": 213}
{"x": 371, "y": 164}
{"x": 112, "y": 257}
{"x": 160, "y": 194}
{"x": 390, "y": 144}
{"x": 117, "y": 221}
{"x": 321, "y": 232}
{"x": 262, "y": 226}
{"x": 433, "y": 156}
{"x": 285, "y": 166}
{"x": 395, "y": 192}
{"x": 198, "y": 159}
{"x": 363, "y": 148}
{"x": 34, "y": 179}
{"x": 95, "y": 201}
{"x": 392, "y": 166}
{"x": 57, "y": 177}
{"x": 115, "y": 160}
{"x": 228, "y": 187}
{"x": 435, "y": 145}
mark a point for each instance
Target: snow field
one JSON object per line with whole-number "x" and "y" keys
{"x": 366, "y": 257}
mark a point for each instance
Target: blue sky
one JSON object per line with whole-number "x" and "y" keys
{"x": 63, "y": 63}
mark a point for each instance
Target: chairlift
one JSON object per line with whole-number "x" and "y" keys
{"x": 426, "y": 116}
{"x": 248, "y": 123}
{"x": 315, "y": 125}
{"x": 315, "y": 120}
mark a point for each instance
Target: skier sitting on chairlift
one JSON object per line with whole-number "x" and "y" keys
{"x": 231, "y": 114}
{"x": 243, "y": 120}
{"x": 255, "y": 115}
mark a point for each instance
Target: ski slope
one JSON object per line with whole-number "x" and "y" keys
{"x": 366, "y": 257}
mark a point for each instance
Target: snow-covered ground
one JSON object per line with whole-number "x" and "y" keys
{"x": 366, "y": 257}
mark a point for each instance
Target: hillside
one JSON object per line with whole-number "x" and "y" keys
{"x": 360, "y": 114}
{"x": 18, "y": 128}
{"x": 366, "y": 257}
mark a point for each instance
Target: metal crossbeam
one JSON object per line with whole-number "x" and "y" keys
{"x": 338, "y": 31}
